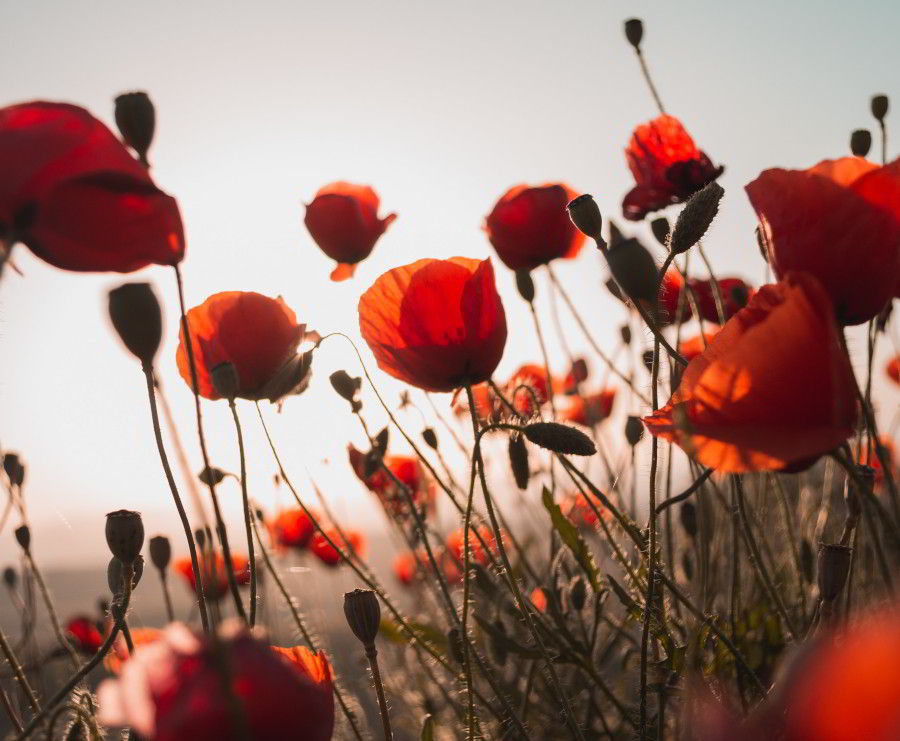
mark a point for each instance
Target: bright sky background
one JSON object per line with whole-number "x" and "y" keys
{"x": 441, "y": 108}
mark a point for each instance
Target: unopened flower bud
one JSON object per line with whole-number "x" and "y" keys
{"x": 634, "y": 270}
{"x": 518, "y": 460}
{"x": 200, "y": 537}
{"x": 115, "y": 574}
{"x": 634, "y": 31}
{"x": 10, "y": 577}
{"x": 833, "y": 568}
{"x": 559, "y": 438}
{"x": 137, "y": 319}
{"x": 585, "y": 215}
{"x": 23, "y": 537}
{"x": 345, "y": 385}
{"x": 160, "y": 551}
{"x": 879, "y": 105}
{"x": 578, "y": 592}
{"x": 525, "y": 285}
{"x": 363, "y": 614}
{"x": 625, "y": 334}
{"x": 136, "y": 121}
{"x": 688, "y": 516}
{"x": 224, "y": 377}
{"x": 695, "y": 218}
{"x": 660, "y": 228}
{"x": 125, "y": 534}
{"x": 11, "y": 466}
{"x": 430, "y": 437}
{"x": 860, "y": 142}
{"x": 634, "y": 430}
{"x": 211, "y": 476}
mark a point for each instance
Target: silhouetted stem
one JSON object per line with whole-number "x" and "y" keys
{"x": 251, "y": 558}
{"x": 10, "y": 712}
{"x": 19, "y": 674}
{"x": 170, "y": 612}
{"x": 372, "y": 656}
{"x": 51, "y": 610}
{"x": 645, "y": 71}
{"x": 698, "y": 482}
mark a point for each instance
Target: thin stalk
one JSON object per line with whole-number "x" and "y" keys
{"x": 10, "y": 711}
{"x": 372, "y": 656}
{"x": 167, "y": 598}
{"x": 645, "y": 71}
{"x": 19, "y": 673}
{"x": 251, "y": 557}
{"x": 698, "y": 482}
{"x": 51, "y": 610}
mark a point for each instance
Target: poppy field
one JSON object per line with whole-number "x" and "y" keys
{"x": 692, "y": 533}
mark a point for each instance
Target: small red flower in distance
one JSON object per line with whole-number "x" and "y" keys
{"x": 172, "y": 690}
{"x": 487, "y": 406}
{"x": 772, "y": 389}
{"x": 893, "y": 369}
{"x": 257, "y": 334}
{"x": 292, "y": 528}
{"x": 405, "y": 469}
{"x": 343, "y": 221}
{"x": 734, "y": 292}
{"x": 212, "y": 571}
{"x": 590, "y": 409}
{"x": 838, "y": 221}
{"x": 405, "y": 567}
{"x": 83, "y": 634}
{"x": 435, "y": 324}
{"x": 667, "y": 167}
{"x": 74, "y": 195}
{"x": 577, "y": 374}
{"x": 539, "y": 599}
{"x": 694, "y": 346}
{"x": 456, "y": 544}
{"x": 529, "y": 226}
{"x": 578, "y": 509}
{"x": 327, "y": 554}
{"x": 528, "y": 388}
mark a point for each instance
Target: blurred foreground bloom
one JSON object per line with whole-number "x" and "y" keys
{"x": 589, "y": 409}
{"x": 435, "y": 324}
{"x": 73, "y": 194}
{"x": 667, "y": 167}
{"x": 671, "y": 294}
{"x": 83, "y": 633}
{"x": 292, "y": 528}
{"x": 172, "y": 690}
{"x": 405, "y": 469}
{"x": 327, "y": 554}
{"x": 529, "y": 226}
{"x": 694, "y": 346}
{"x": 116, "y": 658}
{"x": 838, "y": 221}
{"x": 773, "y": 388}
{"x": 212, "y": 570}
{"x": 258, "y": 335}
{"x": 343, "y": 221}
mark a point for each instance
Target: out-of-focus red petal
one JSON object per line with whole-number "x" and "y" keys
{"x": 893, "y": 369}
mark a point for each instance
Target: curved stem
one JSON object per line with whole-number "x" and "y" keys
{"x": 698, "y": 482}
{"x": 251, "y": 558}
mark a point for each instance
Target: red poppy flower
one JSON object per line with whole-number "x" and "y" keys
{"x": 529, "y": 388}
{"x": 694, "y": 346}
{"x": 405, "y": 568}
{"x": 667, "y": 167}
{"x": 838, "y": 221}
{"x": 893, "y": 369}
{"x": 539, "y": 599}
{"x": 529, "y": 226}
{"x": 327, "y": 554}
{"x": 407, "y": 470}
{"x": 172, "y": 690}
{"x": 435, "y": 324}
{"x": 456, "y": 544}
{"x": 74, "y": 195}
{"x": 257, "y": 334}
{"x": 292, "y": 528}
{"x": 212, "y": 570}
{"x": 773, "y": 388}
{"x": 577, "y": 508}
{"x": 82, "y": 632}
{"x": 343, "y": 221}
{"x": 577, "y": 374}
{"x": 735, "y": 294}
{"x": 313, "y": 665}
{"x": 488, "y": 406}
{"x": 670, "y": 293}
{"x": 591, "y": 409}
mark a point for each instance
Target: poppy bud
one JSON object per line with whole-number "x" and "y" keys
{"x": 200, "y": 537}
{"x": 498, "y": 644}
{"x": 363, "y": 614}
{"x": 160, "y": 551}
{"x": 14, "y": 468}
{"x": 211, "y": 476}
{"x": 381, "y": 440}
{"x": 454, "y": 640}
{"x": 860, "y": 142}
{"x": 634, "y": 270}
{"x": 124, "y": 534}
{"x": 695, "y": 218}
{"x": 625, "y": 334}
{"x": 225, "y": 380}
{"x": 578, "y": 592}
{"x": 634, "y": 430}
{"x": 647, "y": 360}
{"x": 833, "y": 567}
{"x": 660, "y": 227}
{"x": 525, "y": 285}
{"x": 10, "y": 577}
{"x": 518, "y": 460}
{"x": 346, "y": 386}
{"x": 634, "y": 31}
{"x": 688, "y": 515}
{"x": 136, "y": 121}
{"x": 559, "y": 438}
{"x": 879, "y": 105}
{"x": 115, "y": 574}
{"x": 585, "y": 215}
{"x": 23, "y": 537}
{"x": 430, "y": 437}
{"x": 137, "y": 319}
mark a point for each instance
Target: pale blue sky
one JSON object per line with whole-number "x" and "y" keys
{"x": 441, "y": 107}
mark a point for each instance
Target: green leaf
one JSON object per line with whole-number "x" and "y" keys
{"x": 396, "y": 633}
{"x": 427, "y": 729}
{"x": 568, "y": 534}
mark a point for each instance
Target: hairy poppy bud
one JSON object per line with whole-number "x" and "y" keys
{"x": 578, "y": 592}
{"x": 363, "y": 614}
{"x": 14, "y": 468}
{"x": 10, "y": 577}
{"x": 634, "y": 270}
{"x": 211, "y": 476}
{"x": 225, "y": 380}
{"x": 879, "y": 105}
{"x": 585, "y": 215}
{"x": 136, "y": 121}
{"x": 833, "y": 568}
{"x": 345, "y": 385}
{"x": 688, "y": 515}
{"x": 115, "y": 574}
{"x": 160, "y": 551}
{"x": 634, "y": 31}
{"x": 124, "y": 534}
{"x": 860, "y": 142}
{"x": 559, "y": 438}
{"x": 518, "y": 460}
{"x": 430, "y": 437}
{"x": 454, "y": 640}
{"x": 525, "y": 285}
{"x": 137, "y": 318}
{"x": 23, "y": 537}
{"x": 695, "y": 217}
{"x": 660, "y": 227}
{"x": 625, "y": 334}
{"x": 634, "y": 430}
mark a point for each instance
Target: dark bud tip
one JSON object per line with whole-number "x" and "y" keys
{"x": 137, "y": 318}
{"x": 363, "y": 614}
{"x": 879, "y": 106}
{"x": 578, "y": 592}
{"x": 525, "y": 285}
{"x": 225, "y": 380}
{"x": 860, "y": 142}
{"x": 160, "y": 551}
{"x": 559, "y": 438}
{"x": 688, "y": 516}
{"x": 345, "y": 385}
{"x": 430, "y": 437}
{"x": 10, "y": 577}
{"x": 634, "y": 430}
{"x": 23, "y": 537}
{"x": 211, "y": 476}
{"x": 585, "y": 215}
{"x": 660, "y": 228}
{"x": 125, "y": 534}
{"x": 136, "y": 121}
{"x": 833, "y": 568}
{"x": 634, "y": 270}
{"x": 695, "y": 217}
{"x": 625, "y": 334}
{"x": 634, "y": 31}
{"x": 518, "y": 460}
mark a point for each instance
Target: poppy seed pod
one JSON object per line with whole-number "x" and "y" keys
{"x": 160, "y": 551}
{"x": 634, "y": 31}
{"x": 23, "y": 537}
{"x": 363, "y": 614}
{"x": 211, "y": 476}
{"x": 585, "y": 215}
{"x": 860, "y": 142}
{"x": 525, "y": 285}
{"x": 833, "y": 568}
{"x": 518, "y": 460}
{"x": 625, "y": 334}
{"x": 430, "y": 437}
{"x": 137, "y": 318}
{"x": 695, "y": 217}
{"x": 559, "y": 438}
{"x": 879, "y": 105}
{"x": 225, "y": 381}
{"x": 115, "y": 574}
{"x": 634, "y": 430}
{"x": 136, "y": 121}
{"x": 125, "y": 534}
{"x": 634, "y": 270}
{"x": 660, "y": 228}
